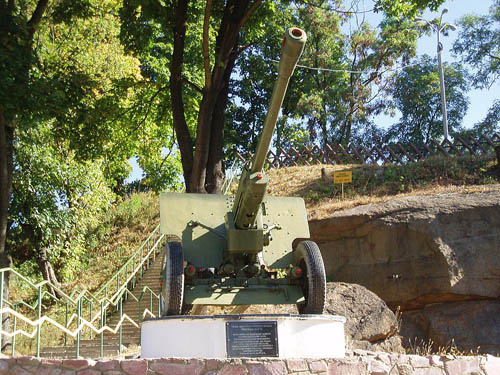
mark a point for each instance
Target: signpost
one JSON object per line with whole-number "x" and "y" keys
{"x": 342, "y": 177}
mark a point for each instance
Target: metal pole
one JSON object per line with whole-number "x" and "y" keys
{"x": 442, "y": 87}
{"x": 66, "y": 325}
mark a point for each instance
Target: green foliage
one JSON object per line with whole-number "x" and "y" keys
{"x": 406, "y": 8}
{"x": 478, "y": 45}
{"x": 416, "y": 94}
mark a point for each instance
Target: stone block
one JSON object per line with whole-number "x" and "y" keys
{"x": 435, "y": 360}
{"x": 418, "y": 362}
{"x": 318, "y": 366}
{"x": 491, "y": 365}
{"x": 403, "y": 369}
{"x": 28, "y": 361}
{"x": 230, "y": 369}
{"x": 295, "y": 365}
{"x": 462, "y": 366}
{"x": 89, "y": 372}
{"x": 49, "y": 370}
{"x": 18, "y": 370}
{"x": 78, "y": 364}
{"x": 267, "y": 368}
{"x": 168, "y": 367}
{"x": 107, "y": 365}
{"x": 135, "y": 366}
{"x": 346, "y": 368}
{"x": 378, "y": 368}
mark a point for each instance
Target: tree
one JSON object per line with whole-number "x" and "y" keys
{"x": 416, "y": 95}
{"x": 478, "y": 45}
{"x": 406, "y": 8}
{"x": 199, "y": 43}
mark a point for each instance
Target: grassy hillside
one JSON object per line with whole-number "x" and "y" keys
{"x": 373, "y": 183}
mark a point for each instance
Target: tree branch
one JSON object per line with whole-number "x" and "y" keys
{"x": 206, "y": 58}
{"x": 250, "y": 11}
{"x": 193, "y": 85}
{"x": 37, "y": 16}
{"x": 163, "y": 12}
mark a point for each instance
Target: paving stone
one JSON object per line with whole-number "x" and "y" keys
{"x": 295, "y": 365}
{"x": 4, "y": 365}
{"x": 135, "y": 366}
{"x": 113, "y": 372}
{"x": 318, "y": 366}
{"x": 346, "y": 368}
{"x": 462, "y": 366}
{"x": 212, "y": 364}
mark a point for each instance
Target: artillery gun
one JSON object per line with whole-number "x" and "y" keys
{"x": 247, "y": 249}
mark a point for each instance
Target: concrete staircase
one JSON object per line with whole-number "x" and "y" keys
{"x": 131, "y": 335}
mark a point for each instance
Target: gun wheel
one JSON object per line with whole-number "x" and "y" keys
{"x": 308, "y": 258}
{"x": 173, "y": 279}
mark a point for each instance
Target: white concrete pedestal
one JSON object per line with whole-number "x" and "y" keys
{"x": 221, "y": 336}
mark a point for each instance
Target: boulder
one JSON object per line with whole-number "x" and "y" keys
{"x": 417, "y": 250}
{"x": 370, "y": 324}
{"x": 468, "y": 326}
{"x": 434, "y": 257}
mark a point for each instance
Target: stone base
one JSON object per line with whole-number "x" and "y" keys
{"x": 357, "y": 362}
{"x": 245, "y": 336}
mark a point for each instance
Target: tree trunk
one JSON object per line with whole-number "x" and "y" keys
{"x": 48, "y": 273}
{"x": 214, "y": 173}
{"x": 179, "y": 120}
{"x": 6, "y": 155}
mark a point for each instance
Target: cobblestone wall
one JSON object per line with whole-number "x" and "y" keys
{"x": 356, "y": 363}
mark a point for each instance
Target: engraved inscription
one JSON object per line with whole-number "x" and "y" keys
{"x": 252, "y": 339}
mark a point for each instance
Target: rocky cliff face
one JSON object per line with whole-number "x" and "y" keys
{"x": 422, "y": 250}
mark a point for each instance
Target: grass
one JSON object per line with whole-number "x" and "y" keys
{"x": 374, "y": 184}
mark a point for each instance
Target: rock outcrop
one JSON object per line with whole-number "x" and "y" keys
{"x": 370, "y": 324}
{"x": 420, "y": 250}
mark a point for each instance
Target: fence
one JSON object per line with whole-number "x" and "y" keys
{"x": 88, "y": 310}
{"x": 394, "y": 153}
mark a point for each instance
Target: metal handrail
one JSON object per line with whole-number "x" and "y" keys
{"x": 146, "y": 251}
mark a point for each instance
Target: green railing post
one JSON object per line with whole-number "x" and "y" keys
{"x": 66, "y": 325}
{"x": 14, "y": 337}
{"x": 151, "y": 301}
{"x": 121, "y": 325}
{"x": 39, "y": 327}
{"x": 101, "y": 345}
{"x": 90, "y": 318}
{"x": 1, "y": 307}
{"x": 79, "y": 315}
{"x": 117, "y": 282}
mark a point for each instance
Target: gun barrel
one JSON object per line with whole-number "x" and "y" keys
{"x": 293, "y": 45}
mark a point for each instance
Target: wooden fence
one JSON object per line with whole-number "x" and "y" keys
{"x": 394, "y": 153}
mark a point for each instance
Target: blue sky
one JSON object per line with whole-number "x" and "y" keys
{"x": 480, "y": 100}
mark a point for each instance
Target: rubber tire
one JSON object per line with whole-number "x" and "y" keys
{"x": 308, "y": 257}
{"x": 173, "y": 279}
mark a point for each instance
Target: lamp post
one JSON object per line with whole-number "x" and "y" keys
{"x": 441, "y": 28}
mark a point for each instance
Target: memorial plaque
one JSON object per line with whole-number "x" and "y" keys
{"x": 252, "y": 339}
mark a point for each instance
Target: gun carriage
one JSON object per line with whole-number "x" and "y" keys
{"x": 248, "y": 248}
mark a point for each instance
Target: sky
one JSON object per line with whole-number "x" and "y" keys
{"x": 480, "y": 100}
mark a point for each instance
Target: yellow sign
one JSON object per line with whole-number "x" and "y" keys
{"x": 342, "y": 177}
